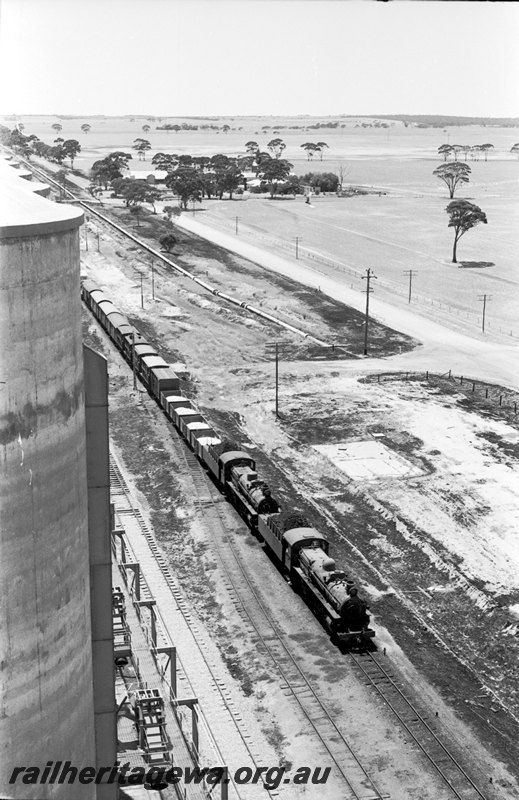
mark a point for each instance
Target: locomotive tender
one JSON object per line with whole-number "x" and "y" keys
{"x": 301, "y": 551}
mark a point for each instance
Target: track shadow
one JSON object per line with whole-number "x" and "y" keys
{"x": 475, "y": 264}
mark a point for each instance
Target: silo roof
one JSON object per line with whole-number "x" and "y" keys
{"x": 23, "y": 212}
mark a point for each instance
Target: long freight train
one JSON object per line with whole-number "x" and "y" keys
{"x": 301, "y": 551}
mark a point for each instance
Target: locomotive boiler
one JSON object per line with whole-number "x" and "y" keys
{"x": 254, "y": 489}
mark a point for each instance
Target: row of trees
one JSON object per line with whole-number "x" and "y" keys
{"x": 27, "y": 146}
{"x": 454, "y": 150}
{"x": 474, "y": 150}
{"x": 195, "y": 177}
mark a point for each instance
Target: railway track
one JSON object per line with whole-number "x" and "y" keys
{"x": 359, "y": 784}
{"x": 358, "y": 780}
{"x": 162, "y": 258}
{"x": 378, "y": 676}
{"x": 417, "y": 726}
{"x": 125, "y": 506}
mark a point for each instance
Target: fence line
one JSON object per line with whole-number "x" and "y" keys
{"x": 387, "y": 283}
{"x": 470, "y": 385}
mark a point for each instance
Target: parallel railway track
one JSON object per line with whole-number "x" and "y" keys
{"x": 421, "y": 732}
{"x": 357, "y": 779}
{"x": 359, "y": 783}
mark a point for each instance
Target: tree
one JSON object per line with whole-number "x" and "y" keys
{"x": 40, "y": 148}
{"x": 110, "y": 168}
{"x": 146, "y": 128}
{"x": 171, "y": 211}
{"x": 342, "y": 173}
{"x": 119, "y": 159}
{"x": 485, "y": 148}
{"x": 136, "y": 211}
{"x": 463, "y": 216}
{"x": 187, "y": 183}
{"x": 220, "y": 161}
{"x": 320, "y": 147}
{"x": 134, "y": 192}
{"x": 201, "y": 162}
{"x": 20, "y": 143}
{"x": 57, "y": 127}
{"x": 273, "y": 171}
{"x": 293, "y": 186}
{"x": 61, "y": 176}
{"x": 86, "y": 127}
{"x": 168, "y": 242}
{"x": 260, "y": 160}
{"x": 165, "y": 161}
{"x": 228, "y": 180}
{"x": 310, "y": 149}
{"x": 445, "y": 150}
{"x": 453, "y": 174}
{"x": 71, "y": 148}
{"x": 252, "y": 148}
{"x": 324, "y": 181}
{"x": 276, "y": 147}
{"x": 245, "y": 162}
{"x": 142, "y": 146}
{"x": 515, "y": 149}
{"x": 456, "y": 148}
{"x": 56, "y": 154}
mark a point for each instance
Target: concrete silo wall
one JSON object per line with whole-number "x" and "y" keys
{"x": 45, "y": 632}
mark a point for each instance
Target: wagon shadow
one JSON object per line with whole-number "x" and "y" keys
{"x": 475, "y": 264}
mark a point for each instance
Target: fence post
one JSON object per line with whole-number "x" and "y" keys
{"x": 473, "y": 386}
{"x": 500, "y": 399}
{"x": 461, "y": 380}
{"x": 486, "y": 392}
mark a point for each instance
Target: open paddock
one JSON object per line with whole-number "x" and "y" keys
{"x": 391, "y": 234}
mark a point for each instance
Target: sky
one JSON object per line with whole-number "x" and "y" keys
{"x": 259, "y": 57}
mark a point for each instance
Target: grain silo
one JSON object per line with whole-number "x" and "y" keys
{"x": 47, "y": 695}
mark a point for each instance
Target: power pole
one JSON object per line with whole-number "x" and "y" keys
{"x": 367, "y": 277}
{"x": 86, "y": 239}
{"x": 297, "y": 240}
{"x": 277, "y": 380}
{"x": 276, "y": 348}
{"x": 410, "y": 272}
{"x": 97, "y": 234}
{"x": 142, "y": 294}
{"x": 236, "y": 221}
{"x": 484, "y": 298}
{"x": 152, "y": 280}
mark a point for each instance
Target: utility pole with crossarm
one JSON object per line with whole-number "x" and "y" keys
{"x": 367, "y": 277}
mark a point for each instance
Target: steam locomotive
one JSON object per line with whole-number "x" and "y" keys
{"x": 301, "y": 551}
